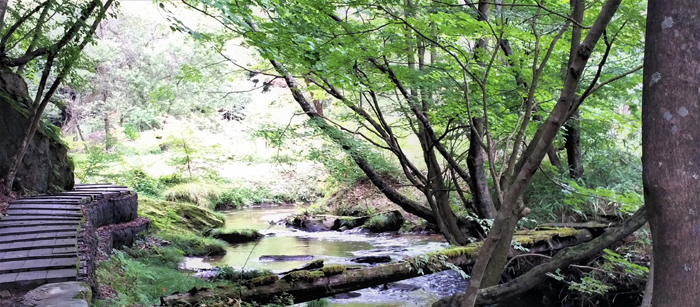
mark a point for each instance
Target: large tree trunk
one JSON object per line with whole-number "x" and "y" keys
{"x": 475, "y": 162}
{"x": 670, "y": 148}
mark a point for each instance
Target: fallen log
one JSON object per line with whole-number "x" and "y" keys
{"x": 335, "y": 279}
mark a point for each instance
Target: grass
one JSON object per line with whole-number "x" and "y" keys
{"x": 142, "y": 280}
{"x": 202, "y": 194}
{"x": 179, "y": 217}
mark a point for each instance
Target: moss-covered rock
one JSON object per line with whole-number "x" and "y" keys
{"x": 236, "y": 235}
{"x": 166, "y": 215}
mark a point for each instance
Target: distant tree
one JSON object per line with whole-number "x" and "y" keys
{"x": 671, "y": 148}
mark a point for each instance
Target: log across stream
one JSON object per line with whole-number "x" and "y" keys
{"x": 337, "y": 277}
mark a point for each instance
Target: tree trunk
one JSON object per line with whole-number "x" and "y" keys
{"x": 572, "y": 143}
{"x": 670, "y": 143}
{"x": 649, "y": 288}
{"x": 554, "y": 158}
{"x": 572, "y": 137}
{"x": 475, "y": 162}
{"x": 3, "y": 9}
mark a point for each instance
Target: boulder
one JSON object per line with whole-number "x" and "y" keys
{"x": 236, "y": 235}
{"x": 46, "y": 166}
{"x": 65, "y": 294}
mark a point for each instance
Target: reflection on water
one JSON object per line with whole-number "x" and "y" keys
{"x": 338, "y": 247}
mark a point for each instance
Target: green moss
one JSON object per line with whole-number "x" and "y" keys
{"x": 261, "y": 281}
{"x": 470, "y": 250}
{"x": 303, "y": 275}
{"x": 86, "y": 294}
{"x": 531, "y": 237}
{"x": 333, "y": 269}
{"x": 172, "y": 216}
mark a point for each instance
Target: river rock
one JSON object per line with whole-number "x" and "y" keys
{"x": 383, "y": 222}
{"x": 372, "y": 259}
{"x": 65, "y": 294}
{"x": 285, "y": 257}
{"x": 313, "y": 224}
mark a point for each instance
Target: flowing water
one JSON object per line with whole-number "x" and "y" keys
{"x": 337, "y": 248}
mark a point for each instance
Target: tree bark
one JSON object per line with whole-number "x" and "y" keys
{"x": 475, "y": 162}
{"x": 572, "y": 144}
{"x": 3, "y": 9}
{"x": 670, "y": 143}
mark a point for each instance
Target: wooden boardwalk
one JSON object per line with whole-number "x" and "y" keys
{"x": 40, "y": 236}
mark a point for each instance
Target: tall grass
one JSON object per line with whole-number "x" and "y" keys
{"x": 202, "y": 194}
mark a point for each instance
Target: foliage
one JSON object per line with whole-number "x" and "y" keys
{"x": 142, "y": 283}
{"x": 588, "y": 285}
{"x": 93, "y": 164}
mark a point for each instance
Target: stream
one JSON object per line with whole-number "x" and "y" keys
{"x": 336, "y": 248}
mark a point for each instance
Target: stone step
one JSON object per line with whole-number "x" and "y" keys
{"x": 38, "y": 264}
{"x": 108, "y": 184}
{"x": 45, "y": 206}
{"x": 38, "y": 244}
{"x": 39, "y": 253}
{"x": 38, "y": 217}
{"x": 37, "y": 236}
{"x": 38, "y": 229}
{"x": 59, "y": 197}
{"x": 46, "y": 201}
{"x": 35, "y": 212}
{"x": 33, "y": 279}
{"x": 37, "y": 222}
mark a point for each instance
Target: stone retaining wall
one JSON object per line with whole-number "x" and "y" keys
{"x": 110, "y": 222}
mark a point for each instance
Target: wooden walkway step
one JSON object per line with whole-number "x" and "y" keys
{"x": 39, "y": 237}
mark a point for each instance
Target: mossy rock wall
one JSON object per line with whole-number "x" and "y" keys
{"x": 46, "y": 166}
